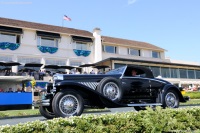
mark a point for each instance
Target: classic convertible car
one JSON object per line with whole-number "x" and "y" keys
{"x": 68, "y": 95}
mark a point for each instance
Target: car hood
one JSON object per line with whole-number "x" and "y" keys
{"x": 88, "y": 76}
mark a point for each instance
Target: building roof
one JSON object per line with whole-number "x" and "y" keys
{"x": 43, "y": 27}
{"x": 132, "y": 43}
{"x": 77, "y": 32}
{"x": 147, "y": 61}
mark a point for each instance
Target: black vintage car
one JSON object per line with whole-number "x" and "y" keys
{"x": 68, "y": 95}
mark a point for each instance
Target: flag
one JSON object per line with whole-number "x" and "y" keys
{"x": 66, "y": 18}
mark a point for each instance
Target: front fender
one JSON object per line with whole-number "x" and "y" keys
{"x": 170, "y": 86}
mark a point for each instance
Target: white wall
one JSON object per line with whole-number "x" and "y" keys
{"x": 28, "y": 48}
{"x": 146, "y": 53}
{"x": 123, "y": 50}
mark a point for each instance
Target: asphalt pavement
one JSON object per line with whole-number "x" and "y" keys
{"x": 24, "y": 119}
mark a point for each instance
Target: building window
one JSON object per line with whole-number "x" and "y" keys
{"x": 57, "y": 62}
{"x": 197, "y": 74}
{"x": 135, "y": 52}
{"x": 12, "y": 38}
{"x": 5, "y": 58}
{"x": 110, "y": 49}
{"x": 117, "y": 65}
{"x": 74, "y": 63}
{"x": 183, "y": 73}
{"x": 191, "y": 74}
{"x": 165, "y": 73}
{"x": 25, "y": 60}
{"x": 155, "y": 71}
{"x": 49, "y": 42}
{"x": 174, "y": 73}
{"x": 155, "y": 54}
{"x": 28, "y": 60}
{"x": 81, "y": 46}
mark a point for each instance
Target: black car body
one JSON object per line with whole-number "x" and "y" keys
{"x": 69, "y": 94}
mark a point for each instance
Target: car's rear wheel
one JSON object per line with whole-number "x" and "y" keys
{"x": 170, "y": 99}
{"x": 67, "y": 103}
{"x": 47, "y": 112}
{"x": 110, "y": 88}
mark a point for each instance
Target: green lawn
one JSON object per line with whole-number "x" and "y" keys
{"x": 191, "y": 102}
{"x": 10, "y": 113}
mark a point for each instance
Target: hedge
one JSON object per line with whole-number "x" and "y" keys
{"x": 148, "y": 121}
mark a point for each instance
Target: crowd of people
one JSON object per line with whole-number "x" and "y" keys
{"x": 40, "y": 74}
{"x": 11, "y": 90}
{"x": 6, "y": 72}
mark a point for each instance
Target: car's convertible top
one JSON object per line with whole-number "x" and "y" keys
{"x": 126, "y": 71}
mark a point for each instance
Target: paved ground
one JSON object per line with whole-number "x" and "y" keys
{"x": 17, "y": 120}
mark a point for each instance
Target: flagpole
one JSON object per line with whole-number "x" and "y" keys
{"x": 62, "y": 22}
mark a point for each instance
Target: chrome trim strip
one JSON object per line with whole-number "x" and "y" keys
{"x": 127, "y": 77}
{"x": 123, "y": 72}
{"x": 145, "y": 104}
{"x": 91, "y": 85}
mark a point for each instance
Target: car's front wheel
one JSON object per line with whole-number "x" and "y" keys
{"x": 170, "y": 99}
{"x": 67, "y": 103}
{"x": 47, "y": 112}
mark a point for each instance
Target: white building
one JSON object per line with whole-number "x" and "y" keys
{"x": 34, "y": 42}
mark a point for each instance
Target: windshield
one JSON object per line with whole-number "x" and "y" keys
{"x": 119, "y": 70}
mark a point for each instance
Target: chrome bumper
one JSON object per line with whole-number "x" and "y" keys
{"x": 45, "y": 102}
{"x": 186, "y": 98}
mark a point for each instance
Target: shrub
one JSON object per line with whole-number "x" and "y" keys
{"x": 158, "y": 120}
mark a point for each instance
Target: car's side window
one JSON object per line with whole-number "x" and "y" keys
{"x": 130, "y": 72}
{"x": 127, "y": 72}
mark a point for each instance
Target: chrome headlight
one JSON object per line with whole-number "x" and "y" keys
{"x": 42, "y": 94}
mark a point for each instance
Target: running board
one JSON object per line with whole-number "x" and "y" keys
{"x": 144, "y": 104}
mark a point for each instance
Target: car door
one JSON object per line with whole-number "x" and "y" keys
{"x": 135, "y": 86}
{"x": 156, "y": 86}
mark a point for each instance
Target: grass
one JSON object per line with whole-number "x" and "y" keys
{"x": 191, "y": 102}
{"x": 193, "y": 94}
{"x": 10, "y": 113}
{"x": 28, "y": 112}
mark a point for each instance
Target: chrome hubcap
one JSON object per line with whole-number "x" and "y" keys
{"x": 68, "y": 105}
{"x": 111, "y": 90}
{"x": 170, "y": 99}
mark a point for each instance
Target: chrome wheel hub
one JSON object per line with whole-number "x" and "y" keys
{"x": 111, "y": 90}
{"x": 170, "y": 100}
{"x": 68, "y": 105}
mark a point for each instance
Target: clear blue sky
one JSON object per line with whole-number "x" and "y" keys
{"x": 170, "y": 24}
